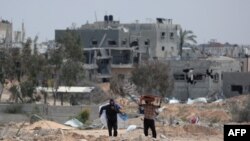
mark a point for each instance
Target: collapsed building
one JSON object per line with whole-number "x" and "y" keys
{"x": 112, "y": 47}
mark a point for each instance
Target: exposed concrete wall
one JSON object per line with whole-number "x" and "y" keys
{"x": 245, "y": 64}
{"x": 56, "y": 113}
{"x": 206, "y": 86}
{"x": 182, "y": 89}
{"x": 241, "y": 79}
{"x": 167, "y": 45}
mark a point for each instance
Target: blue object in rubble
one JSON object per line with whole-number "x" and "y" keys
{"x": 123, "y": 116}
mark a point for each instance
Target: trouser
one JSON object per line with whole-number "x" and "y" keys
{"x": 112, "y": 124}
{"x": 149, "y": 123}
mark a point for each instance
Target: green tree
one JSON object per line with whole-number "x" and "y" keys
{"x": 25, "y": 67}
{"x": 8, "y": 69}
{"x": 26, "y": 58}
{"x": 153, "y": 76}
{"x": 67, "y": 60}
{"x": 185, "y": 36}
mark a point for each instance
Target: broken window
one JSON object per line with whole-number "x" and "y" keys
{"x": 198, "y": 77}
{"x": 163, "y": 35}
{"x": 134, "y": 43}
{"x": 111, "y": 42}
{"x": 179, "y": 76}
{"x": 160, "y": 20}
{"x": 237, "y": 88}
{"x": 121, "y": 56}
{"x": 171, "y": 35}
{"x": 94, "y": 42}
{"x": 124, "y": 42}
{"x": 216, "y": 77}
{"x": 147, "y": 42}
{"x": 162, "y": 48}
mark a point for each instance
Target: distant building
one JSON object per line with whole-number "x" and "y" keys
{"x": 236, "y": 83}
{"x": 111, "y": 47}
{"x": 5, "y": 33}
{"x": 206, "y": 78}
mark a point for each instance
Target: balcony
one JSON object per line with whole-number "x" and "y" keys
{"x": 122, "y": 66}
{"x": 99, "y": 75}
{"x": 90, "y": 66}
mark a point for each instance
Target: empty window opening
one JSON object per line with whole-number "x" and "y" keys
{"x": 163, "y": 35}
{"x": 179, "y": 76}
{"x": 124, "y": 42}
{"x": 162, "y": 48}
{"x": 216, "y": 77}
{"x": 198, "y": 77}
{"x": 171, "y": 35}
{"x": 111, "y": 42}
{"x": 94, "y": 42}
{"x": 105, "y": 80}
{"x": 134, "y": 43}
{"x": 237, "y": 88}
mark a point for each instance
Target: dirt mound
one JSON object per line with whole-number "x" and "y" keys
{"x": 199, "y": 130}
{"x": 46, "y": 124}
{"x": 205, "y": 112}
{"x": 216, "y": 115}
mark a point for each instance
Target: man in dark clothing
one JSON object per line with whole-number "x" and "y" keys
{"x": 111, "y": 114}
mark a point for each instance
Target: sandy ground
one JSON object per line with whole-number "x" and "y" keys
{"x": 172, "y": 124}
{"x": 48, "y": 130}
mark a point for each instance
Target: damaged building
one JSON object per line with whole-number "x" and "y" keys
{"x": 236, "y": 83}
{"x": 112, "y": 47}
{"x": 201, "y": 78}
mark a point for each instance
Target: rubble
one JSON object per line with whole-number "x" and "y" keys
{"x": 212, "y": 117}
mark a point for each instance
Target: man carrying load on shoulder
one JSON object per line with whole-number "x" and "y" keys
{"x": 149, "y": 114}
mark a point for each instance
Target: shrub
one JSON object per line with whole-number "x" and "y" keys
{"x": 241, "y": 113}
{"x": 83, "y": 116}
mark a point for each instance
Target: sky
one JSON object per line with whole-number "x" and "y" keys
{"x": 223, "y": 20}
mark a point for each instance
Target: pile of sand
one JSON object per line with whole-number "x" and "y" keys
{"x": 200, "y": 130}
{"x": 45, "y": 124}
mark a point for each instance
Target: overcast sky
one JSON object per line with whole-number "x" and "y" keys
{"x": 224, "y": 20}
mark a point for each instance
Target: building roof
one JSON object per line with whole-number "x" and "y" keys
{"x": 67, "y": 89}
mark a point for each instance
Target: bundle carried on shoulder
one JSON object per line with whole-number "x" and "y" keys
{"x": 150, "y": 98}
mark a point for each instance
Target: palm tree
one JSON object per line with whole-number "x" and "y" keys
{"x": 186, "y": 36}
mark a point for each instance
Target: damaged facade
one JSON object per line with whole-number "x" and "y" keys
{"x": 206, "y": 78}
{"x": 112, "y": 47}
